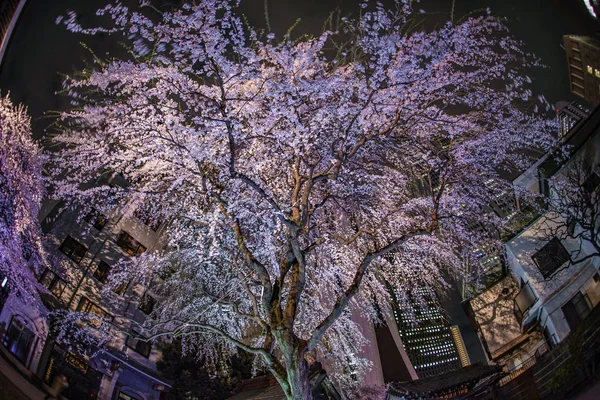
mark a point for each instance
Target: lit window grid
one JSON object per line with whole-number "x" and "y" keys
{"x": 429, "y": 345}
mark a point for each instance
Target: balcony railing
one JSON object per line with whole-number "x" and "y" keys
{"x": 518, "y": 370}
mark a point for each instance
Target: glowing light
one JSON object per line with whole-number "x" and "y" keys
{"x": 588, "y": 4}
{"x": 4, "y": 281}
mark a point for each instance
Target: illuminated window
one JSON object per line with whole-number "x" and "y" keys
{"x": 96, "y": 219}
{"x": 590, "y": 70}
{"x": 54, "y": 284}
{"x": 596, "y": 73}
{"x": 129, "y": 244}
{"x": 87, "y": 306}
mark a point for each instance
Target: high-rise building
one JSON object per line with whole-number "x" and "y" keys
{"x": 583, "y": 62}
{"x": 425, "y": 333}
{"x": 568, "y": 115}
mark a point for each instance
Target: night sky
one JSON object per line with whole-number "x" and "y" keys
{"x": 41, "y": 51}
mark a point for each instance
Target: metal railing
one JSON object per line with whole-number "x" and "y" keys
{"x": 518, "y": 370}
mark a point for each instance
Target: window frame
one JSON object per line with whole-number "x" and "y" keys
{"x": 129, "y": 244}
{"x": 143, "y": 348}
{"x": 14, "y": 343}
{"x": 96, "y": 219}
{"x": 93, "y": 308}
{"x": 53, "y": 283}
{"x": 543, "y": 254}
{"x": 102, "y": 277}
{"x": 147, "y": 304}
{"x": 70, "y": 246}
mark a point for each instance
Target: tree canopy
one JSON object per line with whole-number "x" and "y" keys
{"x": 291, "y": 170}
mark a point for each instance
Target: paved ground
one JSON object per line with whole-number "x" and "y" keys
{"x": 591, "y": 394}
{"x": 13, "y": 384}
{"x": 10, "y": 391}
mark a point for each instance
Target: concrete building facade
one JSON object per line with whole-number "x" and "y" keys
{"x": 553, "y": 282}
{"x": 85, "y": 244}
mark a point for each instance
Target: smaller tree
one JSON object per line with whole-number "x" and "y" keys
{"x": 21, "y": 191}
{"x": 574, "y": 209}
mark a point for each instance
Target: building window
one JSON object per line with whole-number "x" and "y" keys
{"x": 19, "y": 339}
{"x": 524, "y": 300}
{"x": 123, "y": 396}
{"x": 591, "y": 183}
{"x": 576, "y": 310}
{"x": 129, "y": 244}
{"x": 590, "y": 70}
{"x": 147, "y": 303}
{"x": 73, "y": 249}
{"x": 551, "y": 257}
{"x": 596, "y": 73}
{"x": 136, "y": 342}
{"x": 101, "y": 273}
{"x": 87, "y": 306}
{"x": 121, "y": 288}
{"x": 53, "y": 283}
{"x": 96, "y": 219}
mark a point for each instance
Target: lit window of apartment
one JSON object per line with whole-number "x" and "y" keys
{"x": 121, "y": 288}
{"x": 88, "y": 306}
{"x": 136, "y": 342}
{"x": 551, "y": 257}
{"x": 596, "y": 73}
{"x": 102, "y": 271}
{"x": 96, "y": 219}
{"x": 590, "y": 70}
{"x": 73, "y": 249}
{"x": 53, "y": 283}
{"x": 129, "y": 244}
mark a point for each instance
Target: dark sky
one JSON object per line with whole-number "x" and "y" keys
{"x": 41, "y": 51}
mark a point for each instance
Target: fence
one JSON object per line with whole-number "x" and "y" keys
{"x": 557, "y": 373}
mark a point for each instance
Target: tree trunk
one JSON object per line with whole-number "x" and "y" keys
{"x": 296, "y": 367}
{"x": 298, "y": 381}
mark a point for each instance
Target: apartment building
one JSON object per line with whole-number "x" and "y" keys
{"x": 85, "y": 246}
{"x": 553, "y": 281}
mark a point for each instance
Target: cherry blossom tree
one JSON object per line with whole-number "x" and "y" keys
{"x": 21, "y": 191}
{"x": 290, "y": 170}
